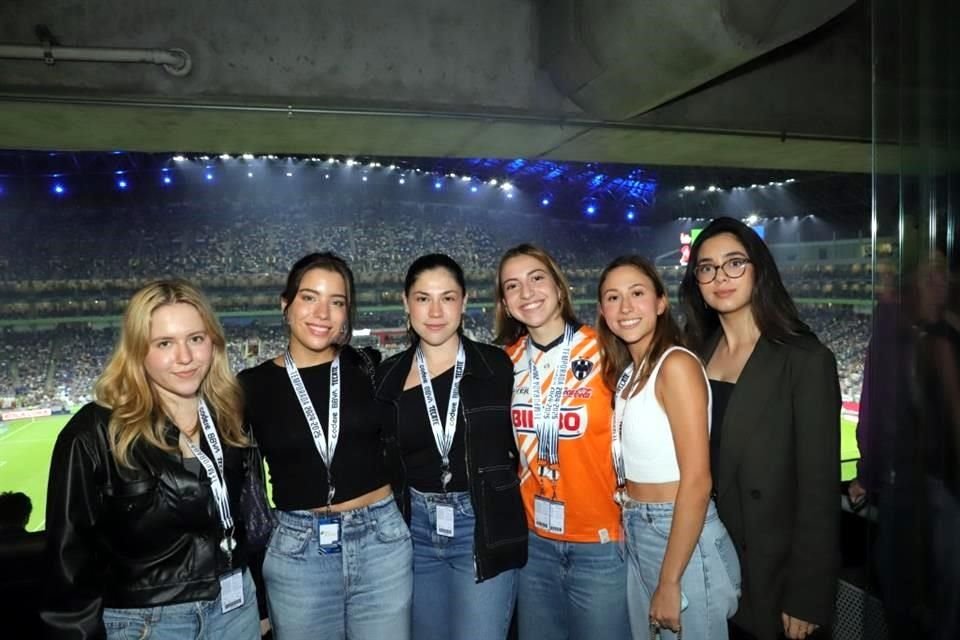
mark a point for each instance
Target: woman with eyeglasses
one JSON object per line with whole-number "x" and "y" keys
{"x": 775, "y": 440}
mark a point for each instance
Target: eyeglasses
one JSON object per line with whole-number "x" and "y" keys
{"x": 733, "y": 268}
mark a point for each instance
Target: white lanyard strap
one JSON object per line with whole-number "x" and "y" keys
{"x": 616, "y": 436}
{"x": 442, "y": 433}
{"x": 218, "y": 479}
{"x": 546, "y": 414}
{"x": 326, "y": 447}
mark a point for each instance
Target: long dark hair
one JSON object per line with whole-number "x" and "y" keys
{"x": 773, "y": 309}
{"x": 614, "y": 354}
{"x": 328, "y": 261}
{"x": 507, "y": 329}
{"x": 426, "y": 263}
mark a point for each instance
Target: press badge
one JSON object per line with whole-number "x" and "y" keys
{"x": 231, "y": 591}
{"x": 548, "y": 514}
{"x": 445, "y": 520}
{"x": 328, "y": 533}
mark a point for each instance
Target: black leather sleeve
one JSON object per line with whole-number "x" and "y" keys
{"x": 74, "y": 608}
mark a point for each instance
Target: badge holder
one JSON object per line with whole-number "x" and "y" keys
{"x": 329, "y": 527}
{"x": 548, "y": 513}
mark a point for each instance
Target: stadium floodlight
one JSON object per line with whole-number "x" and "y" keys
{"x": 492, "y": 182}
{"x": 689, "y": 187}
{"x": 790, "y": 180}
{"x": 59, "y": 189}
{"x": 247, "y": 156}
{"x": 466, "y": 178}
{"x": 249, "y": 174}
{"x": 121, "y": 184}
{"x": 473, "y": 188}
{"x": 437, "y": 185}
{"x": 510, "y": 194}
{"x": 753, "y": 218}
{"x": 208, "y": 176}
{"x": 363, "y": 178}
{"x": 506, "y": 186}
{"x": 402, "y": 180}
{"x": 204, "y": 158}
{"x": 167, "y": 180}
{"x": 544, "y": 202}
{"x": 712, "y": 188}
{"x": 225, "y": 156}
{"x": 271, "y": 157}
{"x": 350, "y": 162}
{"x": 179, "y": 158}
{"x": 289, "y": 174}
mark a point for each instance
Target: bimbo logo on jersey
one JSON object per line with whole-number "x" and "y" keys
{"x": 573, "y": 420}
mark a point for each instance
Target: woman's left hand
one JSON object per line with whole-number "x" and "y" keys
{"x": 665, "y": 606}
{"x": 795, "y": 628}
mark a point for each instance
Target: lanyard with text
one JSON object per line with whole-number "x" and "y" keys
{"x": 325, "y": 446}
{"x": 546, "y": 412}
{"x": 442, "y": 433}
{"x": 216, "y": 475}
{"x": 616, "y": 436}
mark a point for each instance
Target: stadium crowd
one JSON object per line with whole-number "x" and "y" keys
{"x": 57, "y": 367}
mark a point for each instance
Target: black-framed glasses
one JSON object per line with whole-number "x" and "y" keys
{"x": 734, "y": 268}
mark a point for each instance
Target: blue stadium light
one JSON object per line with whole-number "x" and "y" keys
{"x": 631, "y": 213}
{"x": 364, "y": 178}
{"x": 438, "y": 185}
{"x": 121, "y": 184}
{"x": 591, "y": 209}
{"x": 167, "y": 180}
{"x": 59, "y": 189}
{"x": 402, "y": 180}
{"x": 545, "y": 202}
{"x": 510, "y": 195}
{"x": 473, "y": 188}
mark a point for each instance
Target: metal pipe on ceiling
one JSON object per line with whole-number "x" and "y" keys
{"x": 176, "y": 62}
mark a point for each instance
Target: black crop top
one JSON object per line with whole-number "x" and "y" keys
{"x": 420, "y": 456}
{"x": 721, "y": 398}
{"x": 297, "y": 473}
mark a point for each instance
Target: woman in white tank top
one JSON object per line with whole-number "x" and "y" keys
{"x": 682, "y": 568}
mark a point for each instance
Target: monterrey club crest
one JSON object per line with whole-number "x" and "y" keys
{"x": 581, "y": 368}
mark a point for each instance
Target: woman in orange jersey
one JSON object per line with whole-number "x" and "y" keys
{"x": 574, "y": 583}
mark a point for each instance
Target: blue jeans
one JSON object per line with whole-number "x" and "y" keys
{"x": 201, "y": 620}
{"x": 711, "y": 581}
{"x": 572, "y": 590}
{"x": 447, "y": 600}
{"x": 363, "y": 591}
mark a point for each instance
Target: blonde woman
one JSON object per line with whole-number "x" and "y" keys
{"x": 143, "y": 515}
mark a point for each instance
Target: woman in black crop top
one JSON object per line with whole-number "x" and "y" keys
{"x": 776, "y": 469}
{"x": 339, "y": 562}
{"x": 456, "y": 472}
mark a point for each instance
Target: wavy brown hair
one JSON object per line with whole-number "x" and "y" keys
{"x": 507, "y": 329}
{"x": 614, "y": 354}
{"x": 137, "y": 412}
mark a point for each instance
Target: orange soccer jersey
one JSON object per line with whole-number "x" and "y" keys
{"x": 587, "y": 479}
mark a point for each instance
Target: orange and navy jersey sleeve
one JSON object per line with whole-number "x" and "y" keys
{"x": 587, "y": 478}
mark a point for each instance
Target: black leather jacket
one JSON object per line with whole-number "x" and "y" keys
{"x": 500, "y": 535}
{"x": 121, "y": 537}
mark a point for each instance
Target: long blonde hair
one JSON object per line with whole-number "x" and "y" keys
{"x": 136, "y": 409}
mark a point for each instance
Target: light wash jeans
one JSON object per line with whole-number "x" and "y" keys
{"x": 448, "y": 603}
{"x": 573, "y": 591}
{"x": 202, "y": 620}
{"x": 362, "y": 592}
{"x": 711, "y": 582}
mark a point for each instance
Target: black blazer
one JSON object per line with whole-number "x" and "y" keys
{"x": 777, "y": 482}
{"x": 500, "y": 534}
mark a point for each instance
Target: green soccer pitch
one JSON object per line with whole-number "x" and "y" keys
{"x": 26, "y": 446}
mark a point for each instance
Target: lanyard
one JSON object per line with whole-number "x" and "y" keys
{"x": 442, "y": 433}
{"x": 616, "y": 436}
{"x": 326, "y": 447}
{"x": 546, "y": 413}
{"x": 218, "y": 481}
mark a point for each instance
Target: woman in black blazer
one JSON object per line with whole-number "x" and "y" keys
{"x": 776, "y": 432}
